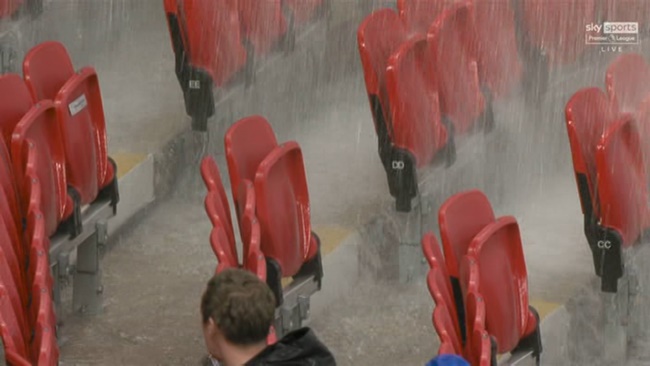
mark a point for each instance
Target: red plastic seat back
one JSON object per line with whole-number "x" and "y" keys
{"x": 588, "y": 113}
{"x": 246, "y": 208}
{"x": 622, "y": 184}
{"x": 80, "y": 114}
{"x": 415, "y": 113}
{"x": 13, "y": 282}
{"x": 460, "y": 218}
{"x": 46, "y": 68}
{"x": 212, "y": 179}
{"x": 247, "y": 143}
{"x": 444, "y": 325}
{"x": 48, "y": 348}
{"x": 628, "y": 82}
{"x": 494, "y": 22}
{"x": 213, "y": 40}
{"x": 10, "y": 331}
{"x": 283, "y": 208}
{"x": 453, "y": 64}
{"x": 44, "y": 346}
{"x": 379, "y": 35}
{"x": 254, "y": 260}
{"x": 440, "y": 291}
{"x": 8, "y": 187}
{"x": 418, "y": 15}
{"x": 263, "y": 23}
{"x": 219, "y": 214}
{"x": 303, "y": 10}
{"x": 503, "y": 281}
{"x": 221, "y": 248}
{"x": 14, "y": 104}
{"x": 558, "y": 27}
{"x": 38, "y": 131}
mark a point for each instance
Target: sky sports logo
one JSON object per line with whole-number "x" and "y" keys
{"x": 612, "y": 33}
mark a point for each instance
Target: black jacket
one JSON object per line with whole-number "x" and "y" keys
{"x": 298, "y": 348}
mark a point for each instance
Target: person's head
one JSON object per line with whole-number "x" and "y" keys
{"x": 237, "y": 311}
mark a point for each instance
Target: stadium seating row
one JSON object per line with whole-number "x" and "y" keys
{"x": 433, "y": 68}
{"x": 479, "y": 285}
{"x": 58, "y": 188}
{"x": 607, "y": 131}
{"x": 271, "y": 200}
{"x": 217, "y": 42}
{"x": 431, "y": 78}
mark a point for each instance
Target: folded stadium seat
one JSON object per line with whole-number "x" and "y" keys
{"x": 418, "y": 15}
{"x": 264, "y": 25}
{"x": 48, "y": 349}
{"x": 628, "y": 82}
{"x": 11, "y": 207}
{"x": 454, "y": 69}
{"x": 46, "y": 68}
{"x": 221, "y": 247}
{"x": 304, "y": 10}
{"x": 419, "y": 134}
{"x": 209, "y": 52}
{"x": 444, "y": 325}
{"x": 216, "y": 202}
{"x": 379, "y": 35}
{"x": 442, "y": 297}
{"x": 16, "y": 101}
{"x": 480, "y": 348}
{"x": 503, "y": 283}
{"x": 460, "y": 218}
{"x": 251, "y": 235}
{"x": 282, "y": 198}
{"x": 247, "y": 142}
{"x": 219, "y": 214}
{"x": 13, "y": 281}
{"x": 37, "y": 135}
{"x": 10, "y": 331}
{"x": 14, "y": 359}
{"x": 49, "y": 74}
{"x": 589, "y": 118}
{"x": 499, "y": 67}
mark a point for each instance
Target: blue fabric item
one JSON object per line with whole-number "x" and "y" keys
{"x": 448, "y": 360}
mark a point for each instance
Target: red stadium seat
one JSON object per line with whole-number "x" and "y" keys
{"x": 219, "y": 213}
{"x": 378, "y": 37}
{"x": 282, "y": 197}
{"x": 14, "y": 359}
{"x": 481, "y": 348}
{"x": 418, "y": 132}
{"x": 80, "y": 114}
{"x": 38, "y": 131}
{"x": 11, "y": 207}
{"x": 254, "y": 260}
{"x": 622, "y": 193}
{"x": 209, "y": 51}
{"x": 221, "y": 248}
{"x": 444, "y": 325}
{"x": 589, "y": 118}
{"x": 247, "y": 143}
{"x": 263, "y": 24}
{"x": 453, "y": 64}
{"x": 628, "y": 82}
{"x": 438, "y": 286}
{"x": 418, "y": 15}
{"x": 503, "y": 283}
{"x": 47, "y": 353}
{"x": 499, "y": 67}
{"x": 460, "y": 218}
{"x": 556, "y": 28}
{"x": 303, "y": 10}
{"x": 10, "y": 331}
{"x": 14, "y": 104}
{"x": 47, "y": 67}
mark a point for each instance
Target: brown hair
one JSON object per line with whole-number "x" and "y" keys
{"x": 242, "y": 306}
